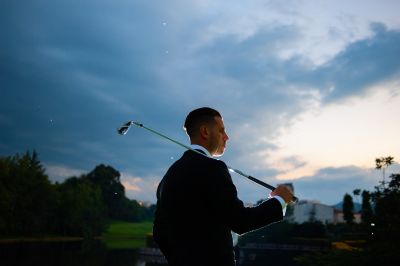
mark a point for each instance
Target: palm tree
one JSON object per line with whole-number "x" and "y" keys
{"x": 383, "y": 163}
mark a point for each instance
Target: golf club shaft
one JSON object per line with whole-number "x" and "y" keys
{"x": 268, "y": 186}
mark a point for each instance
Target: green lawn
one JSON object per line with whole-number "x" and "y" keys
{"x": 121, "y": 235}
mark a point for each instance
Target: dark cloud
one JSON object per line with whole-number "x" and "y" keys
{"x": 72, "y": 71}
{"x": 361, "y": 65}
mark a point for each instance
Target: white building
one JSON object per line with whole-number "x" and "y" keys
{"x": 305, "y": 211}
{"x": 311, "y": 210}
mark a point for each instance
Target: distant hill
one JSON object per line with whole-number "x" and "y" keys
{"x": 339, "y": 206}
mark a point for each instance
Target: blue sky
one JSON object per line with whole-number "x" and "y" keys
{"x": 309, "y": 90}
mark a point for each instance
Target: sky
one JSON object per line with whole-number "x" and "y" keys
{"x": 309, "y": 90}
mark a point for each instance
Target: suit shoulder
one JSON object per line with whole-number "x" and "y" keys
{"x": 191, "y": 154}
{"x": 221, "y": 163}
{"x": 216, "y": 163}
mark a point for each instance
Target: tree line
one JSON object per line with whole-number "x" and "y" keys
{"x": 379, "y": 228}
{"x": 374, "y": 241}
{"x": 31, "y": 205}
{"x": 381, "y": 206}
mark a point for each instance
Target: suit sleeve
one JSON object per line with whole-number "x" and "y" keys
{"x": 242, "y": 219}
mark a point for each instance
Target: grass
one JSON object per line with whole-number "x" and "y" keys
{"x": 126, "y": 235}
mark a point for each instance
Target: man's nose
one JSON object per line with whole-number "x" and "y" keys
{"x": 226, "y": 136}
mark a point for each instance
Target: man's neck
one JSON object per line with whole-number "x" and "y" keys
{"x": 199, "y": 147}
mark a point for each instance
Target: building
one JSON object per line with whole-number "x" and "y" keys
{"x": 305, "y": 211}
{"x": 311, "y": 210}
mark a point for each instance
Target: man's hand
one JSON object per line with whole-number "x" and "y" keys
{"x": 284, "y": 192}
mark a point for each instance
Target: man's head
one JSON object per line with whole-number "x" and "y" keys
{"x": 205, "y": 127}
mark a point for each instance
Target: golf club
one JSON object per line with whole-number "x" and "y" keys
{"x": 124, "y": 128}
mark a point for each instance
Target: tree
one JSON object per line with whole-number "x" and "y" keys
{"x": 387, "y": 209}
{"x": 113, "y": 192}
{"x": 31, "y": 205}
{"x": 27, "y": 196}
{"x": 383, "y": 248}
{"x": 348, "y": 208}
{"x": 118, "y": 206}
{"x": 394, "y": 184}
{"x": 366, "y": 209}
{"x": 383, "y": 163}
{"x": 81, "y": 210}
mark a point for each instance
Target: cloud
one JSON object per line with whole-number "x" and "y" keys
{"x": 130, "y": 184}
{"x": 330, "y": 184}
{"x": 142, "y": 188}
{"x": 361, "y": 65}
{"x": 58, "y": 173}
{"x": 340, "y": 134}
{"x": 70, "y": 77}
{"x": 363, "y": 93}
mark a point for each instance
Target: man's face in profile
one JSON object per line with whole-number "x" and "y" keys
{"x": 218, "y": 137}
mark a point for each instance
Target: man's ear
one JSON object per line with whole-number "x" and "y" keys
{"x": 204, "y": 131}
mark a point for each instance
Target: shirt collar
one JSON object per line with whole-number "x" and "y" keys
{"x": 198, "y": 147}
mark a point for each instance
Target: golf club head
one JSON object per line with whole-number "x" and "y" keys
{"x": 122, "y": 130}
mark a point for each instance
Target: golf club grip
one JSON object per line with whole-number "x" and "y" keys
{"x": 294, "y": 199}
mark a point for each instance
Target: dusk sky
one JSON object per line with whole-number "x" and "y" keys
{"x": 309, "y": 90}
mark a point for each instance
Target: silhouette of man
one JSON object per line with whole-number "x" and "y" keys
{"x": 197, "y": 203}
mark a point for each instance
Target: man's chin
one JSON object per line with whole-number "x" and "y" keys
{"x": 219, "y": 153}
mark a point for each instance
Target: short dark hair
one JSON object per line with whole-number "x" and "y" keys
{"x": 198, "y": 117}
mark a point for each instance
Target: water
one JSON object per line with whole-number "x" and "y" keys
{"x": 95, "y": 253}
{"x": 75, "y": 253}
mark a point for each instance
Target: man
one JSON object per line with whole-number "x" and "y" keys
{"x": 197, "y": 203}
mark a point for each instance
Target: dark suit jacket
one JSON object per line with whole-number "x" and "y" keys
{"x": 197, "y": 207}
